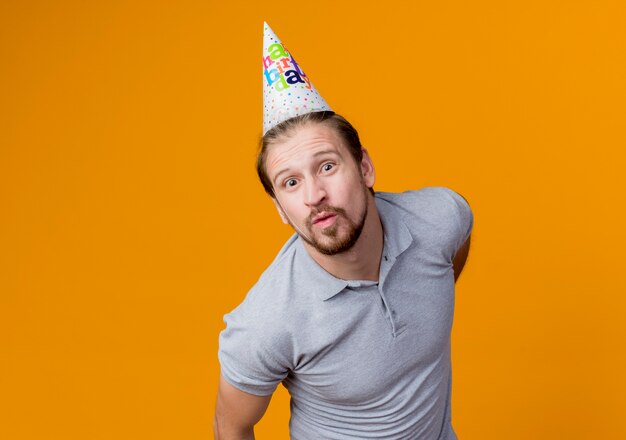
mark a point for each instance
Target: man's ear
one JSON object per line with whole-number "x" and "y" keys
{"x": 367, "y": 169}
{"x": 279, "y": 208}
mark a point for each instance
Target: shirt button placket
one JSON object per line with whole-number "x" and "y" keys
{"x": 390, "y": 314}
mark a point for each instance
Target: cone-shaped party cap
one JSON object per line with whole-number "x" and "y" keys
{"x": 287, "y": 91}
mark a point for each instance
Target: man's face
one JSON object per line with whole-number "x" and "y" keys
{"x": 319, "y": 188}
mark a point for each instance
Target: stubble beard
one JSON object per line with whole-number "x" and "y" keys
{"x": 336, "y": 242}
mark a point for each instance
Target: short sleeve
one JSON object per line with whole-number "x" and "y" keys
{"x": 463, "y": 215}
{"x": 250, "y": 357}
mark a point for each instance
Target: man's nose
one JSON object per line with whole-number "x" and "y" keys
{"x": 315, "y": 192}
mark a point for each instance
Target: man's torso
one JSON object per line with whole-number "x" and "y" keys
{"x": 360, "y": 359}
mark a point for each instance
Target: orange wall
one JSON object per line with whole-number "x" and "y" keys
{"x": 131, "y": 220}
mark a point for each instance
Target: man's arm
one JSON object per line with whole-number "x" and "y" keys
{"x": 236, "y": 412}
{"x": 460, "y": 257}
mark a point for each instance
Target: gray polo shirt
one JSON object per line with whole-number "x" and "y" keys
{"x": 360, "y": 359}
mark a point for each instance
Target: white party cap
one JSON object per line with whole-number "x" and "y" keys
{"x": 287, "y": 91}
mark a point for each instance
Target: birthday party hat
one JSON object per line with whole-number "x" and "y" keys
{"x": 287, "y": 91}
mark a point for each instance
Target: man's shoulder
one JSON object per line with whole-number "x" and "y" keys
{"x": 427, "y": 194}
{"x": 267, "y": 297}
{"x": 429, "y": 202}
{"x": 274, "y": 278}
{"x": 434, "y": 213}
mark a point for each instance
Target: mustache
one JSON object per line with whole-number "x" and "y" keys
{"x": 326, "y": 208}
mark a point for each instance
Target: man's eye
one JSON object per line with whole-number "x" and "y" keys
{"x": 291, "y": 182}
{"x": 327, "y": 166}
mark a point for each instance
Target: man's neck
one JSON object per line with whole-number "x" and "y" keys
{"x": 362, "y": 261}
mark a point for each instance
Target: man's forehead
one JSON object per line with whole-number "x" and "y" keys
{"x": 304, "y": 142}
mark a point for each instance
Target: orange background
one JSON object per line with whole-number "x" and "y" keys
{"x": 131, "y": 219}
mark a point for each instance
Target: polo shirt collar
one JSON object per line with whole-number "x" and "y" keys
{"x": 310, "y": 276}
{"x": 398, "y": 238}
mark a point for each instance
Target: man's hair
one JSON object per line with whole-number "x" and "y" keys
{"x": 285, "y": 129}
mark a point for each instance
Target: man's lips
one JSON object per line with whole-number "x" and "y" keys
{"x": 324, "y": 218}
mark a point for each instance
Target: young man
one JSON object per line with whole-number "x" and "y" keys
{"x": 354, "y": 314}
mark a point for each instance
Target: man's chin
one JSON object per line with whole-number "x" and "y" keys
{"x": 332, "y": 245}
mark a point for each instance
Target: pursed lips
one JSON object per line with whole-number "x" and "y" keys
{"x": 321, "y": 217}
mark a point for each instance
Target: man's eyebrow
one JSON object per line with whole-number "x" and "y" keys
{"x": 319, "y": 153}
{"x": 278, "y": 175}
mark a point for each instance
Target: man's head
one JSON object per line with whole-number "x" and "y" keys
{"x": 320, "y": 178}
{"x": 281, "y": 131}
